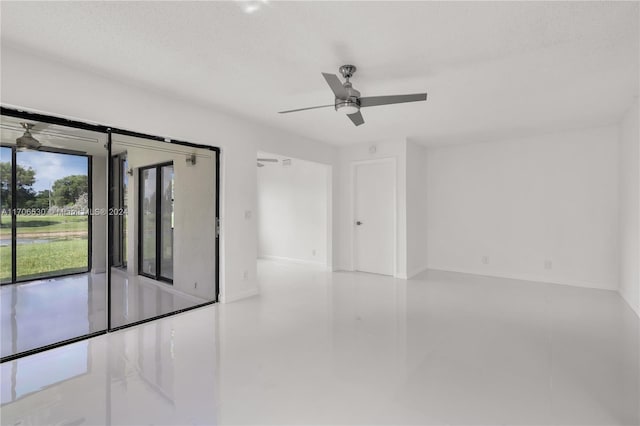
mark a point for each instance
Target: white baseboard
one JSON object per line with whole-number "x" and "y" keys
{"x": 294, "y": 260}
{"x": 239, "y": 296}
{"x": 524, "y": 277}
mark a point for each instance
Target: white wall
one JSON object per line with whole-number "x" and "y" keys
{"x": 523, "y": 202}
{"x": 47, "y": 85}
{"x": 630, "y": 208}
{"x": 417, "y": 236}
{"x": 348, "y": 155}
{"x": 292, "y": 210}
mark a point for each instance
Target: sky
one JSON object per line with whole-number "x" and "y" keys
{"x": 49, "y": 166}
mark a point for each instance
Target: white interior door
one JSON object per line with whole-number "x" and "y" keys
{"x": 374, "y": 216}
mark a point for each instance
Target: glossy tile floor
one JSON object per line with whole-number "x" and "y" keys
{"x": 350, "y": 348}
{"x": 48, "y": 311}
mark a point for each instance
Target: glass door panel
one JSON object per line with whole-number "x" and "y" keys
{"x": 171, "y": 234}
{"x": 148, "y": 221}
{"x": 166, "y": 220}
{"x": 52, "y": 241}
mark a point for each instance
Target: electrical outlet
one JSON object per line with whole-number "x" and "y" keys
{"x": 247, "y": 214}
{"x": 548, "y": 264}
{"x": 245, "y": 275}
{"x": 195, "y": 285}
{"x": 313, "y": 252}
{"x": 485, "y": 260}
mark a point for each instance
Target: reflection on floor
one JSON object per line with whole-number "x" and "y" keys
{"x": 349, "y": 348}
{"x": 136, "y": 298}
{"x": 48, "y": 311}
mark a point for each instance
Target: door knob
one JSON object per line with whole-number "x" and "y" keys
{"x": 358, "y": 223}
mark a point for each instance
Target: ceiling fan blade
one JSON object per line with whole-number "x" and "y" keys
{"x": 392, "y": 99}
{"x": 356, "y": 118}
{"x": 304, "y": 109}
{"x": 268, "y": 160}
{"x": 61, "y": 150}
{"x": 336, "y": 86}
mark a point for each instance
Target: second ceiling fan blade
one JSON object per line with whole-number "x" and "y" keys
{"x": 304, "y": 109}
{"x": 356, "y": 118}
{"x": 369, "y": 101}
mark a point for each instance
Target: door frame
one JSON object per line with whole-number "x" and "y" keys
{"x": 352, "y": 214}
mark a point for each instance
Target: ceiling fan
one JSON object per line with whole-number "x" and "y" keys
{"x": 349, "y": 101}
{"x": 27, "y": 142}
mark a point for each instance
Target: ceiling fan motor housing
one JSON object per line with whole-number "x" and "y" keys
{"x": 351, "y": 104}
{"x": 27, "y": 141}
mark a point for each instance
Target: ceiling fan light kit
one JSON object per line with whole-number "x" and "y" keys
{"x": 348, "y": 100}
{"x": 347, "y": 107}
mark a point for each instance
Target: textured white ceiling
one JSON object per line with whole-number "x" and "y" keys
{"x": 492, "y": 70}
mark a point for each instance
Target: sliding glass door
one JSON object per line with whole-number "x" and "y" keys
{"x": 71, "y": 263}
{"x": 156, "y": 222}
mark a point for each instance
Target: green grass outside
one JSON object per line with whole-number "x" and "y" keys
{"x": 52, "y": 258}
{"x": 43, "y": 224}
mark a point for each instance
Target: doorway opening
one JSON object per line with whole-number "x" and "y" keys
{"x": 294, "y": 210}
